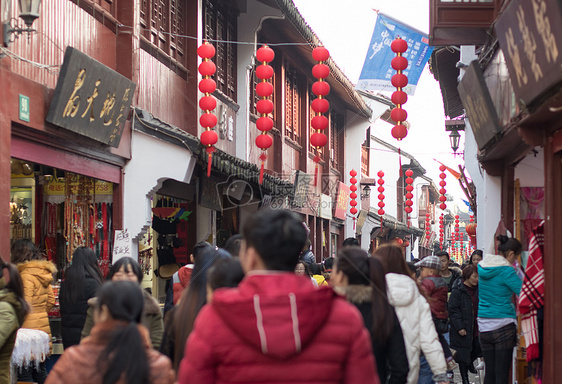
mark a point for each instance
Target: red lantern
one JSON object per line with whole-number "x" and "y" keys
{"x": 353, "y": 188}
{"x": 320, "y": 105}
{"x": 207, "y": 103}
{"x": 409, "y": 195}
{"x": 264, "y": 106}
{"x": 442, "y": 191}
{"x": 441, "y": 230}
{"x": 399, "y": 80}
{"x": 380, "y": 182}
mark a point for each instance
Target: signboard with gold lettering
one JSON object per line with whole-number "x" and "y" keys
{"x": 342, "y": 202}
{"x": 530, "y": 36}
{"x": 478, "y": 104}
{"x": 91, "y": 99}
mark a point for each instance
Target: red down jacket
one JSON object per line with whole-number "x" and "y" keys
{"x": 277, "y": 328}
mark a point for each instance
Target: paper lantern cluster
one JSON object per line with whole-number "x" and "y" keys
{"x": 353, "y": 195}
{"x": 442, "y": 191}
{"x": 462, "y": 246}
{"x": 380, "y": 182}
{"x": 409, "y": 195}
{"x": 471, "y": 231}
{"x": 427, "y": 227}
{"x": 264, "y": 106}
{"x": 456, "y": 235}
{"x": 207, "y": 103}
{"x": 441, "y": 231}
{"x": 320, "y": 105}
{"x": 400, "y": 81}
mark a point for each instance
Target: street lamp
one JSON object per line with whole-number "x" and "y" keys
{"x": 454, "y": 126}
{"x": 366, "y": 192}
{"x": 29, "y": 11}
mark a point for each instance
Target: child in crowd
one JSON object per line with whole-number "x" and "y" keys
{"x": 225, "y": 273}
{"x": 435, "y": 288}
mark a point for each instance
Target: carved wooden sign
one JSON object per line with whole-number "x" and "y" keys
{"x": 530, "y": 36}
{"x": 478, "y": 104}
{"x": 91, "y": 99}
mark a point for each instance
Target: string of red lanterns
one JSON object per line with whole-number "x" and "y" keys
{"x": 462, "y": 247}
{"x": 441, "y": 231}
{"x": 399, "y": 80}
{"x": 471, "y": 231}
{"x": 409, "y": 195}
{"x": 353, "y": 195}
{"x": 380, "y": 182}
{"x": 320, "y": 105}
{"x": 457, "y": 237}
{"x": 207, "y": 103}
{"x": 264, "y": 106}
{"x": 442, "y": 191}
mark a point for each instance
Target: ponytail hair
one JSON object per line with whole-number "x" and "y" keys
{"x": 508, "y": 244}
{"x": 15, "y": 284}
{"x": 125, "y": 354}
{"x": 360, "y": 269}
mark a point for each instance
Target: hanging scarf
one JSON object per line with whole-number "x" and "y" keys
{"x": 532, "y": 293}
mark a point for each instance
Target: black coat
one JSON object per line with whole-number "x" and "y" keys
{"x": 390, "y": 356}
{"x": 461, "y": 316}
{"x": 73, "y": 315}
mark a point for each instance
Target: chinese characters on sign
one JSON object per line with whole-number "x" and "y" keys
{"x": 91, "y": 99}
{"x": 122, "y": 245}
{"x": 377, "y": 71}
{"x": 342, "y": 201}
{"x": 530, "y": 36}
{"x": 478, "y": 104}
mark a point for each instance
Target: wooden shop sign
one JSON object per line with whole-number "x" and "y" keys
{"x": 91, "y": 99}
{"x": 478, "y": 104}
{"x": 530, "y": 36}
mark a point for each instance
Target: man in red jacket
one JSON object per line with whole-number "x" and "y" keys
{"x": 276, "y": 327}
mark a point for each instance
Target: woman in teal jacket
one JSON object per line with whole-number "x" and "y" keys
{"x": 498, "y": 281}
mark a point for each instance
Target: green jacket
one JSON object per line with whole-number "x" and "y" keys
{"x": 151, "y": 319}
{"x": 11, "y": 319}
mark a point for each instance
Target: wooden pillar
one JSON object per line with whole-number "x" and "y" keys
{"x": 5, "y": 169}
{"x": 507, "y": 209}
{"x": 552, "y": 364}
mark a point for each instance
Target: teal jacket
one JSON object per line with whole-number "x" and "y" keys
{"x": 497, "y": 282}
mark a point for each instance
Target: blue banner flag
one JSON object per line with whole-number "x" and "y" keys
{"x": 377, "y": 71}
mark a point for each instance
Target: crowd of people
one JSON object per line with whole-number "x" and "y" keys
{"x": 262, "y": 309}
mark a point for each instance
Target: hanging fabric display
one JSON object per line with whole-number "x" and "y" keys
{"x": 380, "y": 182}
{"x": 264, "y": 106}
{"x": 207, "y": 103}
{"x": 409, "y": 195}
{"x": 319, "y": 105}
{"x": 399, "y": 80}
{"x": 353, "y": 195}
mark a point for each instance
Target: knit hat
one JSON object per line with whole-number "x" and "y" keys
{"x": 430, "y": 262}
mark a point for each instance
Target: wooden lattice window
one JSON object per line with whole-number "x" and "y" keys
{"x": 220, "y": 28}
{"x": 293, "y": 100}
{"x": 336, "y": 127}
{"x": 163, "y": 24}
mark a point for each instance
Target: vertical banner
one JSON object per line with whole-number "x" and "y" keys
{"x": 377, "y": 71}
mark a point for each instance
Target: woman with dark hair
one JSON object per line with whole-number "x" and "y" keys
{"x": 118, "y": 349}
{"x": 476, "y": 257}
{"x": 37, "y": 276}
{"x": 225, "y": 273}
{"x": 82, "y": 279}
{"x": 127, "y": 269}
{"x": 13, "y": 309}
{"x": 361, "y": 280}
{"x": 497, "y": 282}
{"x": 301, "y": 269}
{"x": 192, "y": 300}
{"x": 463, "y": 312}
{"x": 414, "y": 315}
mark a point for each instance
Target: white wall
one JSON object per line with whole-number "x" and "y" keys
{"x": 530, "y": 171}
{"x": 152, "y": 162}
{"x": 488, "y": 195}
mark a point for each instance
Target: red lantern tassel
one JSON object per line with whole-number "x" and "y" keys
{"x": 354, "y": 224}
{"x": 316, "y": 169}
{"x": 210, "y": 151}
{"x": 263, "y": 157}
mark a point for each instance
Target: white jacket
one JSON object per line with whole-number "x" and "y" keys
{"x": 417, "y": 325}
